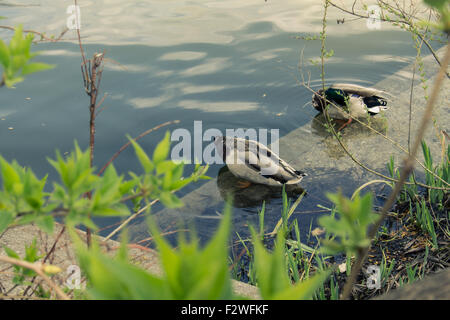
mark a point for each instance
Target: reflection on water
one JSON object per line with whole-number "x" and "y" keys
{"x": 231, "y": 64}
{"x": 355, "y": 131}
{"x": 252, "y": 196}
{"x": 164, "y": 23}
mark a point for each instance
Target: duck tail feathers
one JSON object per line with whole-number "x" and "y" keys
{"x": 295, "y": 181}
{"x": 300, "y": 173}
{"x": 376, "y": 109}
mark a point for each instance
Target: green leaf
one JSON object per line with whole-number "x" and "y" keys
{"x": 31, "y": 252}
{"x": 113, "y": 279}
{"x": 27, "y": 219}
{"x": 177, "y": 173}
{"x": 11, "y": 253}
{"x": 165, "y": 166}
{"x": 304, "y": 290}
{"x": 167, "y": 181}
{"x": 170, "y": 200}
{"x": 438, "y": 4}
{"x": 162, "y": 149}
{"x": 12, "y": 80}
{"x": 17, "y": 62}
{"x": 72, "y": 221}
{"x": 46, "y": 223}
{"x": 270, "y": 268}
{"x": 180, "y": 184}
{"x": 127, "y": 186}
{"x": 119, "y": 209}
{"x": 10, "y": 176}
{"x": 272, "y": 276}
{"x": 349, "y": 225}
{"x": 33, "y": 189}
{"x": 35, "y": 67}
{"x": 4, "y": 54}
{"x": 145, "y": 161}
{"x": 15, "y": 58}
{"x": 6, "y": 218}
{"x": 15, "y": 45}
{"x": 192, "y": 273}
{"x": 75, "y": 172}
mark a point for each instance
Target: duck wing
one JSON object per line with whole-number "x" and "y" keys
{"x": 288, "y": 174}
{"x": 264, "y": 162}
{"x": 359, "y": 90}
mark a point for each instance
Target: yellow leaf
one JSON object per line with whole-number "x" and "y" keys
{"x": 51, "y": 269}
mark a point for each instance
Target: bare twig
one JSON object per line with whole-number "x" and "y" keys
{"x": 49, "y": 253}
{"x": 406, "y": 21}
{"x": 133, "y": 216}
{"x": 39, "y": 269}
{"x": 20, "y": 297}
{"x": 410, "y": 104}
{"x": 322, "y": 49}
{"x": 42, "y": 35}
{"x": 126, "y": 145}
{"x": 91, "y": 71}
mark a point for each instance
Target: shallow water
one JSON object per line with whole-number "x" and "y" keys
{"x": 229, "y": 64}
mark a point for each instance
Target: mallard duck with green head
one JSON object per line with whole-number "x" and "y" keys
{"x": 350, "y": 101}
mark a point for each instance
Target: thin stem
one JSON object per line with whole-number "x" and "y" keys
{"x": 410, "y": 106}
{"x": 47, "y": 256}
{"x": 396, "y": 144}
{"x": 344, "y": 147}
{"x": 39, "y": 269}
{"x": 407, "y": 22}
{"x": 42, "y": 35}
{"x": 407, "y": 169}
{"x": 323, "y": 37}
{"x": 126, "y": 145}
{"x": 133, "y": 216}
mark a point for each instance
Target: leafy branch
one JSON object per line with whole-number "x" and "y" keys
{"x": 16, "y": 57}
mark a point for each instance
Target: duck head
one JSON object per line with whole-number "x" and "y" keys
{"x": 334, "y": 95}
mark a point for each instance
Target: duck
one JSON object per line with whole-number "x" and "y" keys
{"x": 354, "y": 101}
{"x": 254, "y": 163}
{"x": 254, "y": 195}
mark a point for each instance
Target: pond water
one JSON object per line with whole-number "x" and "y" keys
{"x": 229, "y": 64}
